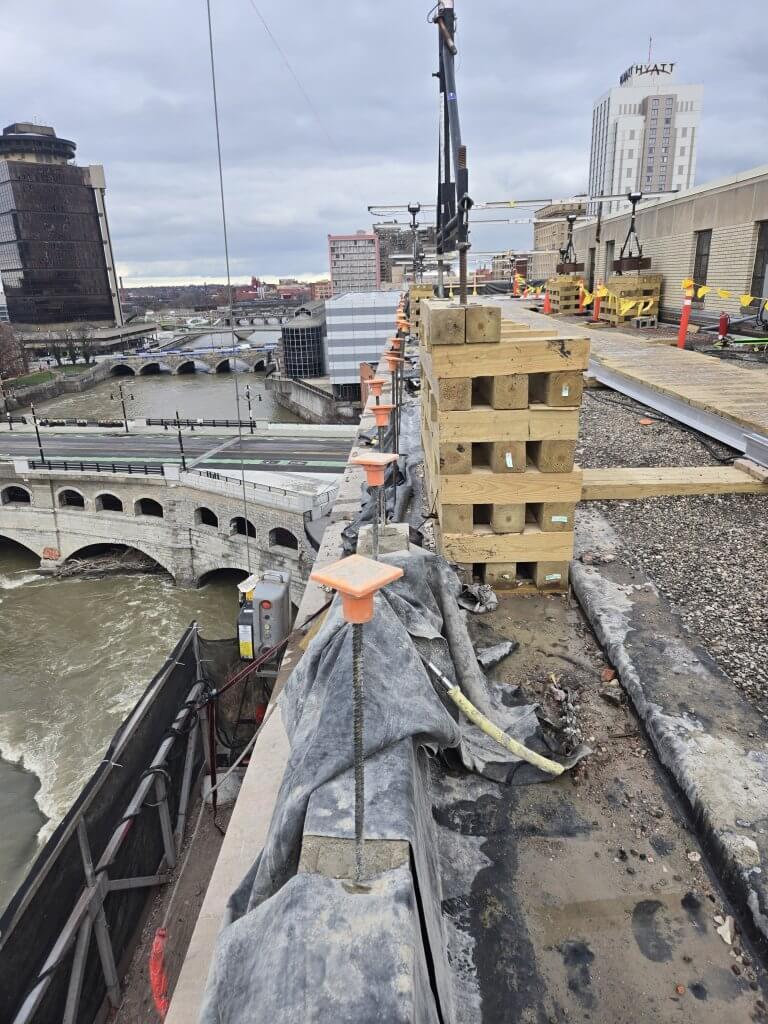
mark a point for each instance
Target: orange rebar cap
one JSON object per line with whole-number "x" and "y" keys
{"x": 381, "y": 413}
{"x": 357, "y": 579}
{"x": 374, "y": 464}
{"x": 395, "y": 343}
{"x": 392, "y": 361}
{"x": 375, "y": 384}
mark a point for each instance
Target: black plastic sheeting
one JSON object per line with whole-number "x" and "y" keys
{"x": 37, "y": 913}
{"x": 298, "y": 945}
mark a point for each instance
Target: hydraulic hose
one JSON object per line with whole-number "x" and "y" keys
{"x": 492, "y": 730}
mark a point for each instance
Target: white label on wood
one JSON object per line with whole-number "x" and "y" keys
{"x": 508, "y": 459}
{"x": 566, "y": 391}
{"x": 552, "y": 576}
{"x": 559, "y": 519}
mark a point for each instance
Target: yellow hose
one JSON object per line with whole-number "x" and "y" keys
{"x": 497, "y": 734}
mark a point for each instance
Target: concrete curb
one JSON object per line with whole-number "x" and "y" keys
{"x": 708, "y": 736}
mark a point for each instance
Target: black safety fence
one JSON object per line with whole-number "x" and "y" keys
{"x": 96, "y": 466}
{"x": 67, "y": 934}
{"x": 192, "y": 423}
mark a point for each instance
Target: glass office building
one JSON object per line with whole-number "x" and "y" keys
{"x": 55, "y": 254}
{"x": 301, "y": 343}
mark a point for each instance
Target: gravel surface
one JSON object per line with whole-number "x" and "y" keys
{"x": 707, "y": 554}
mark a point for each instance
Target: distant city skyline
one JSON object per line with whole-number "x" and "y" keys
{"x": 295, "y": 172}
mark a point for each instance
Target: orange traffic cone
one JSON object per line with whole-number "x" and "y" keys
{"x": 547, "y": 304}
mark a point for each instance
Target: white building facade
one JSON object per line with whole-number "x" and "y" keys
{"x": 644, "y": 135}
{"x": 354, "y": 262}
{"x": 357, "y": 327}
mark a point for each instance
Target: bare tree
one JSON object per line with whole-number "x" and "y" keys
{"x": 13, "y": 356}
{"x": 85, "y": 341}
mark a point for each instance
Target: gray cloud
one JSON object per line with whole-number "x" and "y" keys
{"x": 130, "y": 83}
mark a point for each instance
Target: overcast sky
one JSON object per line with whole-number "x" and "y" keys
{"x": 129, "y": 82}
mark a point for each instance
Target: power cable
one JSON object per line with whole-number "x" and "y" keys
{"x": 229, "y": 282}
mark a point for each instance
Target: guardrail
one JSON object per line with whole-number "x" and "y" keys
{"x": 95, "y": 466}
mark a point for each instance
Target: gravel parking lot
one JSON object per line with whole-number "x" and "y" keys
{"x": 707, "y": 554}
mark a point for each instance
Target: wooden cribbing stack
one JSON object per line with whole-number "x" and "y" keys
{"x": 564, "y": 293}
{"x": 500, "y": 419}
{"x": 416, "y": 293}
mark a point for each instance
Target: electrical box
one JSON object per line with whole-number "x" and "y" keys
{"x": 265, "y": 613}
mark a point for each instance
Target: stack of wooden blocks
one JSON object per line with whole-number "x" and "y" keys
{"x": 416, "y": 293}
{"x": 640, "y": 287}
{"x": 564, "y": 294}
{"x": 500, "y": 419}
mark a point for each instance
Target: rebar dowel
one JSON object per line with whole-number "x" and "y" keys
{"x": 395, "y": 411}
{"x": 375, "y": 520}
{"x": 381, "y": 437}
{"x": 357, "y": 725}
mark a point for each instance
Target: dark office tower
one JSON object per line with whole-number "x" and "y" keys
{"x": 56, "y": 259}
{"x": 301, "y": 344}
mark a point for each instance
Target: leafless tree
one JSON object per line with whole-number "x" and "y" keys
{"x": 13, "y": 356}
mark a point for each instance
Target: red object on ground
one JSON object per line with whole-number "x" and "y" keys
{"x": 596, "y": 304}
{"x": 547, "y": 304}
{"x": 646, "y": 422}
{"x": 685, "y": 317}
{"x": 158, "y": 979}
{"x": 581, "y": 297}
{"x": 724, "y": 325}
{"x": 515, "y": 286}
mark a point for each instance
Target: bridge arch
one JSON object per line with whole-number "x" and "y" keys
{"x": 70, "y": 497}
{"x": 150, "y": 369}
{"x": 148, "y": 507}
{"x": 188, "y": 366}
{"x": 14, "y": 494}
{"x": 223, "y": 365}
{"x": 280, "y": 537}
{"x": 7, "y": 536}
{"x": 100, "y": 549}
{"x": 206, "y": 517}
{"x": 107, "y": 502}
{"x": 243, "y": 527}
{"x": 122, "y": 370}
{"x": 224, "y": 573}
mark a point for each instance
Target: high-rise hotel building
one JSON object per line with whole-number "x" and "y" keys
{"x": 644, "y": 135}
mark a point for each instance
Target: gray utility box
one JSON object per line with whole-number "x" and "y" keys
{"x": 265, "y": 615}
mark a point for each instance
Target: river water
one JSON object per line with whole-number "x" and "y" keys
{"x": 75, "y": 654}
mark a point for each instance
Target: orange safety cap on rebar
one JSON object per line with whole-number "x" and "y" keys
{"x": 392, "y": 361}
{"x": 357, "y": 579}
{"x": 375, "y": 384}
{"x": 381, "y": 413}
{"x": 374, "y": 464}
{"x": 395, "y": 344}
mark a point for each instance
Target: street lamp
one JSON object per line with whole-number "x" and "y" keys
{"x": 413, "y": 209}
{"x": 37, "y": 432}
{"x": 248, "y": 399}
{"x": 181, "y": 442}
{"x": 122, "y": 402}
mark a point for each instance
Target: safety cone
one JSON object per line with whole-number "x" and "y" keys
{"x": 547, "y": 308}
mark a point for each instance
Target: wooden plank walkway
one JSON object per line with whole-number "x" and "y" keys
{"x": 703, "y": 388}
{"x": 655, "y": 482}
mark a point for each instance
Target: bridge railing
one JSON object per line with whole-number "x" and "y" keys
{"x": 98, "y": 466}
{"x": 316, "y": 503}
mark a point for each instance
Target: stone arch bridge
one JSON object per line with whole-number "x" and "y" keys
{"x": 193, "y": 361}
{"x": 191, "y": 524}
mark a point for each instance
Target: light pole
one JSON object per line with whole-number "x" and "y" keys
{"x": 248, "y": 399}
{"x": 181, "y": 442}
{"x": 37, "y": 432}
{"x": 122, "y": 402}
{"x": 413, "y": 209}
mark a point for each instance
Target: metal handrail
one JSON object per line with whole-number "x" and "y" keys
{"x": 85, "y": 466}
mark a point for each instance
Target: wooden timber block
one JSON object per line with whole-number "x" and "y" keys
{"x": 552, "y": 456}
{"x": 505, "y": 391}
{"x": 455, "y": 458}
{"x": 553, "y": 516}
{"x": 456, "y": 518}
{"x": 561, "y": 388}
{"x": 507, "y": 518}
{"x": 483, "y": 545}
{"x": 500, "y": 456}
{"x": 443, "y": 323}
{"x": 551, "y": 575}
{"x": 454, "y": 394}
{"x": 535, "y": 423}
{"x": 521, "y": 355}
{"x": 482, "y": 486}
{"x": 483, "y": 324}
{"x": 501, "y": 575}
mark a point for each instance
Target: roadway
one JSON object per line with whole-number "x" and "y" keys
{"x": 210, "y": 451}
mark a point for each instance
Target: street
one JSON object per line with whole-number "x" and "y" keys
{"x": 297, "y": 455}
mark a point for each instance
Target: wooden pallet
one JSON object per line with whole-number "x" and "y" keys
{"x": 563, "y": 293}
{"x": 630, "y": 286}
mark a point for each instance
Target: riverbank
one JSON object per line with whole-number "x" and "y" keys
{"x": 52, "y": 383}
